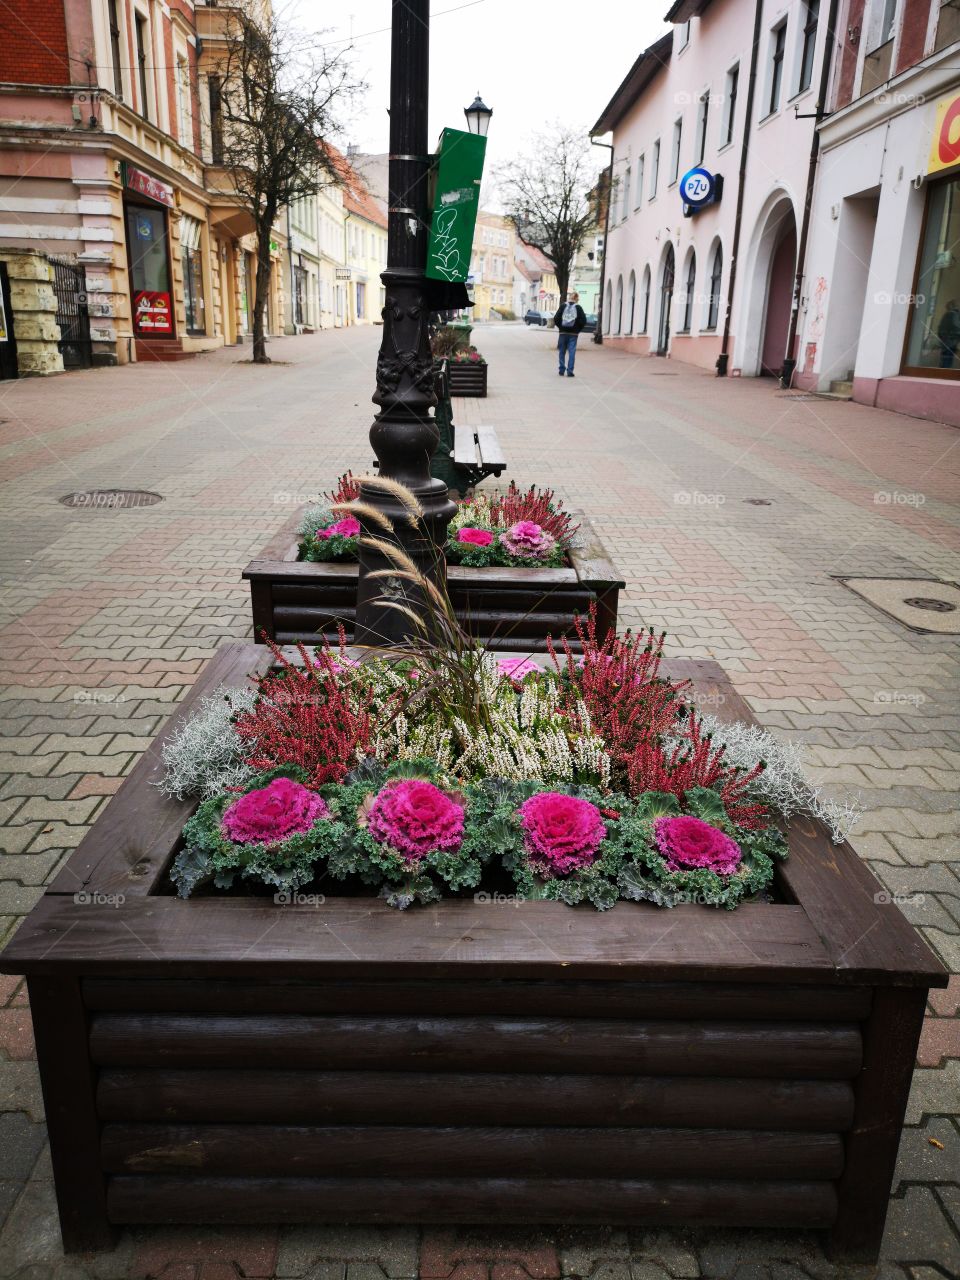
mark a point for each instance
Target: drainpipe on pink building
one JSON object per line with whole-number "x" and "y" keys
{"x": 723, "y": 358}
{"x": 790, "y": 359}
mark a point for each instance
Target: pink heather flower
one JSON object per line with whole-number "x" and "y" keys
{"x": 272, "y": 813}
{"x": 690, "y": 842}
{"x": 528, "y": 541}
{"x": 516, "y": 668}
{"x": 348, "y": 527}
{"x": 476, "y": 537}
{"x": 416, "y": 818}
{"x": 562, "y": 832}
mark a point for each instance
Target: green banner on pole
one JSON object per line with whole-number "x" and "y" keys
{"x": 455, "y": 206}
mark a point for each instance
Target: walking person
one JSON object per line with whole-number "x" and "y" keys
{"x": 570, "y": 319}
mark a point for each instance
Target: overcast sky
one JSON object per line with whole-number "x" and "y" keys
{"x": 533, "y": 61}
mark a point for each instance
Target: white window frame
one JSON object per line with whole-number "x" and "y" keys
{"x": 654, "y": 169}
{"x": 676, "y": 145}
{"x": 728, "y": 119}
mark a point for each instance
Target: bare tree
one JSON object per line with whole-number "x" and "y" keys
{"x": 281, "y": 92}
{"x": 545, "y": 193}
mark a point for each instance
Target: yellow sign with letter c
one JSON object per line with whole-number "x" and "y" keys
{"x": 945, "y": 146}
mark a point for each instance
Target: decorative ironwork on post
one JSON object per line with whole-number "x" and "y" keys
{"x": 404, "y": 434}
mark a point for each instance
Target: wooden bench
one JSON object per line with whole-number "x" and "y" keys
{"x": 477, "y": 453}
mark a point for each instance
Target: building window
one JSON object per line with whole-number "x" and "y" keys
{"x": 703, "y": 114}
{"x": 675, "y": 153}
{"x": 948, "y": 24}
{"x": 361, "y": 301}
{"x": 618, "y": 322}
{"x": 114, "y": 20}
{"x": 299, "y": 293}
{"x": 933, "y": 339}
{"x": 645, "y": 301}
{"x": 683, "y": 35}
{"x": 631, "y": 301}
{"x": 716, "y": 276}
{"x": 142, "y": 42}
{"x": 654, "y": 168}
{"x": 639, "y": 197}
{"x": 625, "y": 202}
{"x": 184, "y": 122}
{"x": 730, "y": 104}
{"x": 216, "y": 120}
{"x": 879, "y": 56}
{"x": 191, "y": 261}
{"x": 778, "y": 40}
{"x": 688, "y": 300}
{"x": 808, "y": 47}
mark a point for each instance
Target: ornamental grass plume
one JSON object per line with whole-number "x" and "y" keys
{"x": 310, "y": 716}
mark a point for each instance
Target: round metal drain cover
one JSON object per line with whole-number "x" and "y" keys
{"x": 930, "y": 603}
{"x": 759, "y": 502}
{"x": 110, "y": 499}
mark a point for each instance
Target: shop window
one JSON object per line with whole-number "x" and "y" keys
{"x": 191, "y": 260}
{"x": 933, "y": 339}
{"x": 149, "y": 271}
{"x": 716, "y": 275}
{"x": 688, "y": 300}
{"x": 299, "y": 295}
{"x": 361, "y": 301}
{"x": 645, "y": 301}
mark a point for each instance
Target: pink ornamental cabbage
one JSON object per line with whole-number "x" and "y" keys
{"x": 272, "y": 813}
{"x": 562, "y": 833}
{"x": 416, "y": 818}
{"x": 348, "y": 527}
{"x": 516, "y": 668}
{"x": 475, "y": 537}
{"x": 687, "y": 843}
{"x": 528, "y": 541}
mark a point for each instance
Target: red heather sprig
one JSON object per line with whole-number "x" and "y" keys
{"x": 695, "y": 762}
{"x": 310, "y": 716}
{"x": 618, "y": 681}
{"x": 347, "y": 490}
{"x": 538, "y": 506}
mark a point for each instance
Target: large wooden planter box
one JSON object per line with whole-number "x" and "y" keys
{"x": 467, "y": 378}
{"x": 228, "y": 1060}
{"x": 295, "y": 600}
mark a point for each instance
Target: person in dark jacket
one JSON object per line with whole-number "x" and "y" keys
{"x": 570, "y": 319}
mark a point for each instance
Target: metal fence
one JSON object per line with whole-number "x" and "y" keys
{"x": 73, "y": 316}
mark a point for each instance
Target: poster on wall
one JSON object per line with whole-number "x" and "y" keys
{"x": 152, "y": 313}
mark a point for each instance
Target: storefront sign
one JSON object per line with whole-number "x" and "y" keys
{"x": 455, "y": 205}
{"x": 152, "y": 313}
{"x": 945, "y": 147}
{"x": 152, "y": 188}
{"x": 699, "y": 188}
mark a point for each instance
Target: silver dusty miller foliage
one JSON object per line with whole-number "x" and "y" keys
{"x": 203, "y": 756}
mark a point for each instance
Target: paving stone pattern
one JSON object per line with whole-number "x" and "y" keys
{"x": 107, "y": 616}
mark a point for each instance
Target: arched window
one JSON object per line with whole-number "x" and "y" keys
{"x": 607, "y": 307}
{"x": 631, "y": 301}
{"x": 644, "y": 301}
{"x": 619, "y": 306}
{"x": 716, "y": 276}
{"x": 690, "y": 286}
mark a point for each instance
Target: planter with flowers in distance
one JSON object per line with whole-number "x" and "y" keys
{"x": 506, "y": 601}
{"x": 282, "y": 1046}
{"x": 468, "y": 373}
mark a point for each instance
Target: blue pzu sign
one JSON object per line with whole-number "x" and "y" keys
{"x": 700, "y": 187}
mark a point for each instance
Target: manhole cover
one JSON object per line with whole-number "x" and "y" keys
{"x": 929, "y": 602}
{"x": 910, "y": 602}
{"x": 759, "y": 502}
{"x": 110, "y": 499}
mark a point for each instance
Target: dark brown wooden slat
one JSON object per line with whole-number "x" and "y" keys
{"x": 358, "y": 1097}
{"x": 571, "y": 999}
{"x": 336, "y": 594}
{"x": 593, "y": 564}
{"x": 803, "y": 1050}
{"x": 363, "y": 937}
{"x": 709, "y": 1203}
{"x": 372, "y": 1150}
{"x": 293, "y": 571}
{"x": 130, "y": 844}
{"x": 881, "y": 1093}
{"x": 68, "y": 1080}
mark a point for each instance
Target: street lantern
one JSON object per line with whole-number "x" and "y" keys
{"x": 478, "y": 116}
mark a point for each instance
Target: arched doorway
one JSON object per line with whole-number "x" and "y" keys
{"x": 771, "y": 268}
{"x": 667, "y": 274}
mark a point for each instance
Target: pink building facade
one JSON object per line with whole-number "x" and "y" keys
{"x": 715, "y": 283}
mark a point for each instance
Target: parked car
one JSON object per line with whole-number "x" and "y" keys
{"x": 591, "y": 325}
{"x": 534, "y": 317}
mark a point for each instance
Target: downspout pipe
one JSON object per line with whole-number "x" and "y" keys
{"x": 723, "y": 359}
{"x": 829, "y": 46}
{"x": 598, "y": 333}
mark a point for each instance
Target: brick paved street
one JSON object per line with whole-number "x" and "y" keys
{"x": 107, "y": 616}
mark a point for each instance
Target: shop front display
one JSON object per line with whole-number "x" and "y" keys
{"x": 191, "y": 258}
{"x": 148, "y": 254}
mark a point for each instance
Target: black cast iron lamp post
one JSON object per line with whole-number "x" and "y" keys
{"x": 478, "y": 116}
{"x": 404, "y": 435}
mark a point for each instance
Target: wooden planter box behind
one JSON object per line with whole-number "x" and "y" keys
{"x": 231, "y": 1060}
{"x": 468, "y": 379}
{"x": 516, "y": 609}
